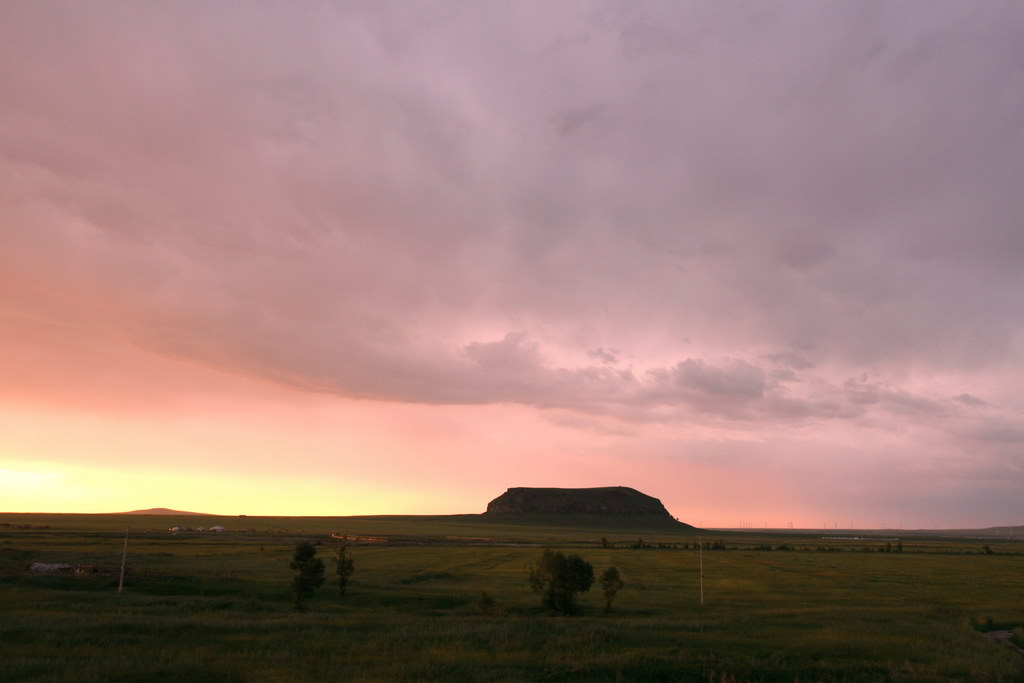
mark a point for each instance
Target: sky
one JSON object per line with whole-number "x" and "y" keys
{"x": 762, "y": 261}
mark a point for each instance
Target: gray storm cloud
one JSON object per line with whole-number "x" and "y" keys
{"x": 724, "y": 210}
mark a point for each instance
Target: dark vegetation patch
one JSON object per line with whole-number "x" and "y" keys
{"x": 420, "y": 577}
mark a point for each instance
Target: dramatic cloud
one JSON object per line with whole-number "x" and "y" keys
{"x": 795, "y": 224}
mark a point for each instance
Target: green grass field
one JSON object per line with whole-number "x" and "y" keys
{"x": 217, "y": 607}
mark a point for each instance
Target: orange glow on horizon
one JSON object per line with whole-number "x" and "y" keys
{"x": 53, "y": 487}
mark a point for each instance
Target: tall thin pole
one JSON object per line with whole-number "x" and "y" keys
{"x": 124, "y": 556}
{"x": 700, "y": 555}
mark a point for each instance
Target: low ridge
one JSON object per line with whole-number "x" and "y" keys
{"x": 163, "y": 511}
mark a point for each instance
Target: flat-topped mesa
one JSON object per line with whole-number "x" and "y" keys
{"x": 611, "y": 500}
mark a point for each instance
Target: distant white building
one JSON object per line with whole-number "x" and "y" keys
{"x": 174, "y": 529}
{"x": 217, "y": 528}
{"x": 50, "y": 567}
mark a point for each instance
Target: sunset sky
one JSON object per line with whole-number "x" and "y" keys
{"x": 763, "y": 261}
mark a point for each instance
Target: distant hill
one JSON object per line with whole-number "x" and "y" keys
{"x": 605, "y": 504}
{"x": 163, "y": 511}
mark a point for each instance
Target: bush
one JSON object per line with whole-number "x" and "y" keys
{"x": 558, "y": 578}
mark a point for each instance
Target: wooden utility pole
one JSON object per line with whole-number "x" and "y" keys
{"x": 124, "y": 556}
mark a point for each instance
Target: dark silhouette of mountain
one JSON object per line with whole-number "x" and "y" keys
{"x": 601, "y": 505}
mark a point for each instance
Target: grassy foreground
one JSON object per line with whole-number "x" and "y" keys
{"x": 217, "y": 607}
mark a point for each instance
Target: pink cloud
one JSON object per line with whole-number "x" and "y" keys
{"x": 618, "y": 225}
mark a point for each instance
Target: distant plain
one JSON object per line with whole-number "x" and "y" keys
{"x": 778, "y": 606}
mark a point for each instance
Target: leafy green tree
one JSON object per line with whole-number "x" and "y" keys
{"x": 558, "y": 578}
{"x": 611, "y": 584}
{"x": 309, "y": 573}
{"x": 344, "y": 566}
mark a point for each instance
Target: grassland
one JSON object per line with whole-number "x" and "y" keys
{"x": 217, "y": 607}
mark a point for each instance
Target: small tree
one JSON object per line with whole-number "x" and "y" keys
{"x": 611, "y": 584}
{"x": 309, "y": 573}
{"x": 344, "y": 567}
{"x": 558, "y": 578}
